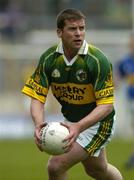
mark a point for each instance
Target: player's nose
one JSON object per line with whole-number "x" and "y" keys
{"x": 77, "y": 32}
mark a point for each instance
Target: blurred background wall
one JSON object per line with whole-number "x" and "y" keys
{"x": 28, "y": 28}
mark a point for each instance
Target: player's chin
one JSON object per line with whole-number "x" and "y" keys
{"x": 77, "y": 45}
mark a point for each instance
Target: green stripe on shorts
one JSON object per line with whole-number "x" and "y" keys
{"x": 103, "y": 133}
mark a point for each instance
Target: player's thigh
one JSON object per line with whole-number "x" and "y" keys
{"x": 67, "y": 160}
{"x": 95, "y": 164}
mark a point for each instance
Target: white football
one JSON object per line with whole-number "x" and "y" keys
{"x": 52, "y": 136}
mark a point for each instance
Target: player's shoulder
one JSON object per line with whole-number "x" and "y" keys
{"x": 96, "y": 53}
{"x": 49, "y": 52}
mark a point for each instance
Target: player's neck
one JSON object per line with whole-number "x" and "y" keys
{"x": 70, "y": 54}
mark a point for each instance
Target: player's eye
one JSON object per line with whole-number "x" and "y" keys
{"x": 73, "y": 28}
{"x": 82, "y": 28}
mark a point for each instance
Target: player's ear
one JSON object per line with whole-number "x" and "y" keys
{"x": 59, "y": 32}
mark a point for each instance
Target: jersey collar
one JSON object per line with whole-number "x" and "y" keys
{"x": 82, "y": 51}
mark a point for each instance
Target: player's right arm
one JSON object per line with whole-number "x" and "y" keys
{"x": 37, "y": 88}
{"x": 37, "y": 114}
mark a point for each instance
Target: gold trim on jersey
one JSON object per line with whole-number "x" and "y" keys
{"x": 35, "y": 90}
{"x": 30, "y": 92}
{"x": 107, "y": 100}
{"x": 74, "y": 93}
{"x": 104, "y": 93}
{"x": 36, "y": 87}
{"x": 105, "y": 96}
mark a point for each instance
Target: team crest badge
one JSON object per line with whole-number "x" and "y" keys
{"x": 55, "y": 73}
{"x": 81, "y": 75}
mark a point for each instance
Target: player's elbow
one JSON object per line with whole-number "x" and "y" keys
{"x": 109, "y": 108}
{"x": 36, "y": 108}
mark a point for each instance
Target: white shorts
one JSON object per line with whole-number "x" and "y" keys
{"x": 96, "y": 137}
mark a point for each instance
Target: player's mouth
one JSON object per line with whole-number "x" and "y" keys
{"x": 78, "y": 41}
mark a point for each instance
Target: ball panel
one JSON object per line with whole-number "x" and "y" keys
{"x": 52, "y": 136}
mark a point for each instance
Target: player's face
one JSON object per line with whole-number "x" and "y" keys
{"x": 72, "y": 35}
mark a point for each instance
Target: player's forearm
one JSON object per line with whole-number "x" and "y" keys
{"x": 37, "y": 111}
{"x": 99, "y": 113}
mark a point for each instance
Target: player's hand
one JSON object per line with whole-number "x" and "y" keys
{"x": 37, "y": 134}
{"x": 74, "y": 130}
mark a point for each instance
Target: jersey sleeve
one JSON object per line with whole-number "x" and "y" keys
{"x": 102, "y": 79}
{"x": 37, "y": 85}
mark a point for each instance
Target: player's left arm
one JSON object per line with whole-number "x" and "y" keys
{"x": 104, "y": 93}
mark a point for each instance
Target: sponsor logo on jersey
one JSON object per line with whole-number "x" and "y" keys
{"x": 73, "y": 93}
{"x": 104, "y": 93}
{"x": 81, "y": 75}
{"x": 36, "y": 87}
{"x": 55, "y": 73}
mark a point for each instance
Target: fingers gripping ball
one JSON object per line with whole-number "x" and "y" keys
{"x": 52, "y": 136}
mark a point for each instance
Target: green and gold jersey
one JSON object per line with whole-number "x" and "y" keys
{"x": 79, "y": 85}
